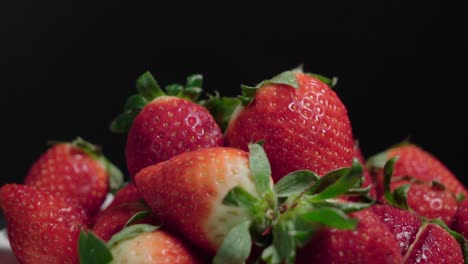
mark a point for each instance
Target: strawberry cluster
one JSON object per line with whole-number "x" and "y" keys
{"x": 272, "y": 176}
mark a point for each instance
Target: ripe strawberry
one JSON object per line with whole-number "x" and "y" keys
{"x": 128, "y": 194}
{"x": 77, "y": 170}
{"x": 302, "y": 121}
{"x": 42, "y": 227}
{"x": 367, "y": 176}
{"x": 461, "y": 219}
{"x": 186, "y": 193}
{"x": 162, "y": 125}
{"x": 403, "y": 224}
{"x": 154, "y": 247}
{"x": 419, "y": 164}
{"x": 420, "y": 242}
{"x": 370, "y": 242}
{"x": 113, "y": 220}
{"x": 430, "y": 201}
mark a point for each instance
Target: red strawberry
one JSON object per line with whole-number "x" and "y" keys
{"x": 461, "y": 220}
{"x": 302, "y": 121}
{"x": 434, "y": 245}
{"x": 114, "y": 219}
{"x": 403, "y": 224}
{"x": 154, "y": 247}
{"x": 77, "y": 170}
{"x": 128, "y": 194}
{"x": 42, "y": 227}
{"x": 370, "y": 242}
{"x": 420, "y": 242}
{"x": 162, "y": 125}
{"x": 430, "y": 201}
{"x": 186, "y": 193}
{"x": 367, "y": 176}
{"x": 419, "y": 164}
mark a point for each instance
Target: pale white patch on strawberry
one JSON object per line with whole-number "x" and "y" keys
{"x": 223, "y": 217}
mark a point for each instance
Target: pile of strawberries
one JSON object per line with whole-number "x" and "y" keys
{"x": 271, "y": 176}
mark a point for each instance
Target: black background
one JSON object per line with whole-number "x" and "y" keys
{"x": 66, "y": 67}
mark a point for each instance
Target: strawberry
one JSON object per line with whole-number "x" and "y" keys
{"x": 162, "y": 125}
{"x": 302, "y": 121}
{"x": 428, "y": 199}
{"x": 112, "y": 220}
{"x": 153, "y": 247}
{"x": 416, "y": 163}
{"x": 403, "y": 224}
{"x": 186, "y": 193}
{"x": 461, "y": 219}
{"x": 128, "y": 194}
{"x": 367, "y": 176}
{"x": 421, "y": 241}
{"x": 77, "y": 170}
{"x": 42, "y": 227}
{"x": 369, "y": 242}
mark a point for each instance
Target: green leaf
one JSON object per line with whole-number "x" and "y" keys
{"x": 328, "y": 81}
{"x": 388, "y": 172}
{"x": 194, "y": 80}
{"x": 270, "y": 255}
{"x": 247, "y": 94}
{"x": 287, "y": 78}
{"x": 236, "y": 245}
{"x": 93, "y": 250}
{"x": 221, "y": 108}
{"x": 459, "y": 237}
{"x": 461, "y": 197}
{"x": 328, "y": 180}
{"x": 135, "y": 102}
{"x": 377, "y": 161}
{"x": 174, "y": 89}
{"x": 331, "y": 217}
{"x": 343, "y": 184}
{"x": 260, "y": 169}
{"x": 148, "y": 87}
{"x": 438, "y": 185}
{"x": 346, "y": 207}
{"x": 91, "y": 149}
{"x": 114, "y": 174}
{"x": 192, "y": 93}
{"x": 136, "y": 217}
{"x": 284, "y": 242}
{"x": 238, "y": 196}
{"x": 295, "y": 183}
{"x": 400, "y": 195}
{"x": 129, "y": 233}
{"x": 123, "y": 122}
{"x": 358, "y": 191}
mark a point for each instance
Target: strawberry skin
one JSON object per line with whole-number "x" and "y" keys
{"x": 435, "y": 245}
{"x": 42, "y": 227}
{"x": 367, "y": 176}
{"x": 430, "y": 201}
{"x": 153, "y": 247}
{"x": 128, "y": 194}
{"x": 370, "y": 242}
{"x": 112, "y": 220}
{"x": 461, "y": 220}
{"x": 68, "y": 170}
{"x": 403, "y": 224}
{"x": 417, "y": 163}
{"x": 166, "y": 127}
{"x": 303, "y": 128}
{"x": 186, "y": 193}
